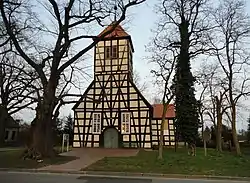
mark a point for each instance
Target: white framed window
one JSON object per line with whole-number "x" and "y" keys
{"x": 96, "y": 123}
{"x": 125, "y": 125}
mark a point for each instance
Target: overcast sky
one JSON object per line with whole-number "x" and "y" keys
{"x": 142, "y": 21}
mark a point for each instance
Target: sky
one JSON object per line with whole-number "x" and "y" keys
{"x": 142, "y": 21}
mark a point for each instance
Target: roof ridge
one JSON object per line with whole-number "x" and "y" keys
{"x": 117, "y": 32}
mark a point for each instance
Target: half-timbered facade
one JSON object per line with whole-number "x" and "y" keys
{"x": 168, "y": 129}
{"x": 112, "y": 112}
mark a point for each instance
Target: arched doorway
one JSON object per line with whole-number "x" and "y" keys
{"x": 111, "y": 138}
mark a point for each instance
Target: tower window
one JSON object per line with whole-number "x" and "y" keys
{"x": 111, "y": 52}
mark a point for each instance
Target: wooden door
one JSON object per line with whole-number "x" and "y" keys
{"x": 111, "y": 138}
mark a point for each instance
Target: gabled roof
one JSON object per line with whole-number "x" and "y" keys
{"x": 158, "y": 110}
{"x": 117, "y": 32}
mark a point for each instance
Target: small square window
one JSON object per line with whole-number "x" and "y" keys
{"x": 111, "y": 52}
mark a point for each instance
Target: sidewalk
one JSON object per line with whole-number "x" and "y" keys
{"x": 88, "y": 156}
{"x": 9, "y": 148}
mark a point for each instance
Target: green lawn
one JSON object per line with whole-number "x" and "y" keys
{"x": 225, "y": 164}
{"x": 13, "y": 159}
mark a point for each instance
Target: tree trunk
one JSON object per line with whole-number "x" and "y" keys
{"x": 205, "y": 147}
{"x": 191, "y": 149}
{"x": 219, "y": 124}
{"x": 42, "y": 134}
{"x": 2, "y": 128}
{"x": 234, "y": 131}
{"x": 176, "y": 140}
{"x": 218, "y": 133}
{"x": 165, "y": 106}
{"x": 160, "y": 156}
{"x": 42, "y": 141}
{"x": 3, "y": 120}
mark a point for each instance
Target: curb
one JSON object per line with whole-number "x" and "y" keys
{"x": 156, "y": 175}
{"x": 126, "y": 174}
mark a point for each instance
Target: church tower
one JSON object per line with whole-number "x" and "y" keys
{"x": 114, "y": 53}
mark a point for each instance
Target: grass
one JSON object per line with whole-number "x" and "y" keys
{"x": 225, "y": 164}
{"x": 13, "y": 159}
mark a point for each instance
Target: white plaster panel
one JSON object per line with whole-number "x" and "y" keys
{"x": 88, "y": 114}
{"x": 133, "y": 138}
{"x": 107, "y": 62}
{"x": 143, "y": 121}
{"x": 147, "y": 145}
{"x": 154, "y": 132}
{"x": 147, "y": 138}
{"x": 133, "y": 96}
{"x": 76, "y": 130}
{"x": 144, "y": 113}
{"x": 154, "y": 138}
{"x": 114, "y": 42}
{"x": 98, "y": 69}
{"x": 135, "y": 114}
{"x": 89, "y": 105}
{"x": 132, "y": 130}
{"x": 100, "y": 43}
{"x": 89, "y": 144}
{"x": 81, "y": 129}
{"x": 116, "y": 105}
{"x": 86, "y": 130}
{"x": 76, "y": 144}
{"x": 107, "y": 43}
{"x": 96, "y": 137}
{"x": 107, "y": 68}
{"x": 133, "y": 103}
{"x": 124, "y": 67}
{"x": 79, "y": 114}
{"x": 76, "y": 137}
{"x": 148, "y": 129}
{"x": 125, "y": 138}
{"x": 101, "y": 49}
{"x": 142, "y": 104}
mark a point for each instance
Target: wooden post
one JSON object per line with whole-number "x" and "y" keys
{"x": 205, "y": 147}
{"x": 206, "y": 138}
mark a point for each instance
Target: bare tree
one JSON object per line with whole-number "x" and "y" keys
{"x": 164, "y": 58}
{"x": 213, "y": 97}
{"x": 16, "y": 80}
{"x": 49, "y": 61}
{"x": 183, "y": 25}
{"x": 142, "y": 85}
{"x": 230, "y": 40}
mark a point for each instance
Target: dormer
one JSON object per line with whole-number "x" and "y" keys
{"x": 114, "y": 53}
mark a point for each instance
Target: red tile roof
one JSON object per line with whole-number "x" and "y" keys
{"x": 117, "y": 32}
{"x": 158, "y": 109}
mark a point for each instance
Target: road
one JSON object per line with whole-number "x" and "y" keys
{"x": 22, "y": 177}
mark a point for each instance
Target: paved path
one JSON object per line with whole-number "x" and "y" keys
{"x": 88, "y": 156}
{"x": 13, "y": 177}
{"x": 10, "y": 148}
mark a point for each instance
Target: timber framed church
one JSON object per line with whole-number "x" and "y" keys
{"x": 112, "y": 113}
